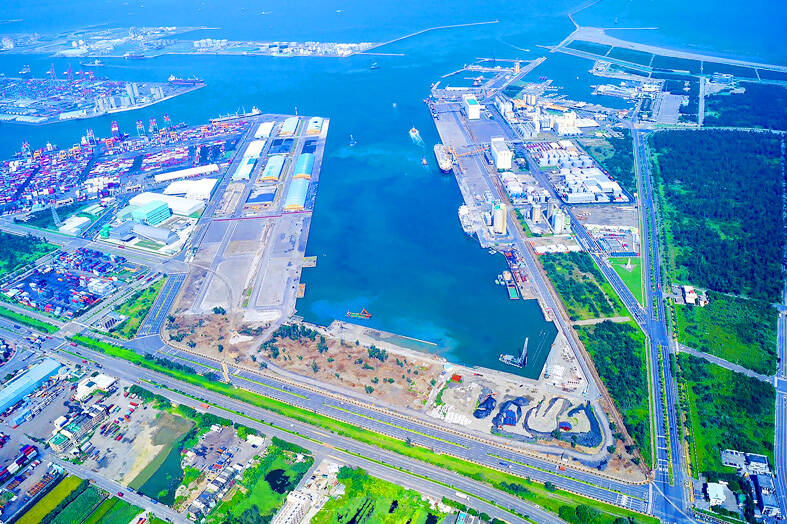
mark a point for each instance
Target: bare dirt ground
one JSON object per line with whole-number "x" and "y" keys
{"x": 398, "y": 379}
{"x": 224, "y": 336}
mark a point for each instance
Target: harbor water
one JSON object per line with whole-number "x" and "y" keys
{"x": 385, "y": 230}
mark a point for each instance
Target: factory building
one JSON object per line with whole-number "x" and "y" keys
{"x": 187, "y": 173}
{"x": 264, "y": 130}
{"x": 74, "y": 225}
{"x": 273, "y": 169}
{"x": 178, "y": 205}
{"x": 30, "y": 381}
{"x": 192, "y": 189}
{"x": 296, "y": 195}
{"x": 304, "y": 166}
{"x": 157, "y": 234}
{"x": 559, "y": 222}
{"x": 472, "y": 107}
{"x": 499, "y": 213}
{"x": 289, "y": 126}
{"x": 314, "y": 126}
{"x": 88, "y": 386}
{"x": 152, "y": 213}
{"x": 501, "y": 154}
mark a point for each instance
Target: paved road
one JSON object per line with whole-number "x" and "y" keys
{"x": 312, "y": 438}
{"x": 723, "y": 363}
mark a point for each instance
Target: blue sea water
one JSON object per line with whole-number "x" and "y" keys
{"x": 385, "y": 229}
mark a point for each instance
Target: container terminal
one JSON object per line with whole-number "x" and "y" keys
{"x": 71, "y": 95}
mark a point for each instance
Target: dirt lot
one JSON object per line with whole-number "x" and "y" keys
{"x": 216, "y": 335}
{"x": 400, "y": 379}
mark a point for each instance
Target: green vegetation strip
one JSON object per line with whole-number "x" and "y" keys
{"x": 665, "y": 412}
{"x": 34, "y": 323}
{"x": 534, "y": 492}
{"x": 135, "y": 309}
{"x": 281, "y": 390}
{"x": 397, "y": 426}
{"x": 563, "y": 476}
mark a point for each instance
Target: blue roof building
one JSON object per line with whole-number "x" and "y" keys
{"x": 296, "y": 196}
{"x": 30, "y": 381}
{"x": 304, "y": 165}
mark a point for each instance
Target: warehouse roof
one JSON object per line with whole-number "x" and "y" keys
{"x": 17, "y": 389}
{"x": 304, "y": 164}
{"x": 289, "y": 126}
{"x": 273, "y": 168}
{"x": 296, "y": 196}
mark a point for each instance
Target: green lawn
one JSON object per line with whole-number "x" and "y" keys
{"x": 632, "y": 277}
{"x": 739, "y": 330}
{"x": 34, "y": 323}
{"x": 43, "y": 219}
{"x": 536, "y": 493}
{"x": 136, "y": 309}
{"x": 726, "y": 410}
{"x": 619, "y": 352}
{"x": 259, "y": 501}
{"x": 17, "y": 251}
{"x": 376, "y": 500}
{"x": 50, "y": 501}
{"x": 582, "y": 287}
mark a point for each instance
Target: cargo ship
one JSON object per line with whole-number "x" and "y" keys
{"x": 443, "y": 157}
{"x": 363, "y": 315}
{"x": 177, "y": 81}
{"x": 464, "y": 218}
{"x": 133, "y": 56}
{"x": 520, "y": 361}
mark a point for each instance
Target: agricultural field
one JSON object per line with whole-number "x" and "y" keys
{"x": 582, "y": 287}
{"x": 81, "y": 507}
{"x": 631, "y": 276}
{"x": 265, "y": 485}
{"x": 368, "y": 500}
{"x": 739, "y": 330}
{"x": 726, "y": 410}
{"x": 136, "y": 309}
{"x": 618, "y": 352}
{"x": 17, "y": 251}
{"x": 51, "y": 500}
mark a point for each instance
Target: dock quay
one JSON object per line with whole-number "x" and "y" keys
{"x": 490, "y": 215}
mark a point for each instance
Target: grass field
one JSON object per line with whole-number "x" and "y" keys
{"x": 100, "y": 511}
{"x": 80, "y": 507}
{"x": 632, "y": 277}
{"x": 43, "y": 219}
{"x": 119, "y": 512}
{"x": 739, "y": 330}
{"x": 536, "y": 493}
{"x": 136, "y": 309}
{"x": 34, "y": 323}
{"x": 726, "y": 410}
{"x": 582, "y": 287}
{"x": 259, "y": 501}
{"x": 50, "y": 501}
{"x": 374, "y": 500}
{"x": 17, "y": 251}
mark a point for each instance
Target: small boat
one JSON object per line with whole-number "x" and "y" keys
{"x": 352, "y": 141}
{"x": 363, "y": 315}
{"x": 25, "y": 71}
{"x": 511, "y": 360}
{"x": 424, "y": 162}
{"x": 374, "y": 66}
{"x": 93, "y": 63}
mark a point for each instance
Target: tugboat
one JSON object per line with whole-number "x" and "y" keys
{"x": 520, "y": 361}
{"x": 363, "y": 315}
{"x": 443, "y": 158}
